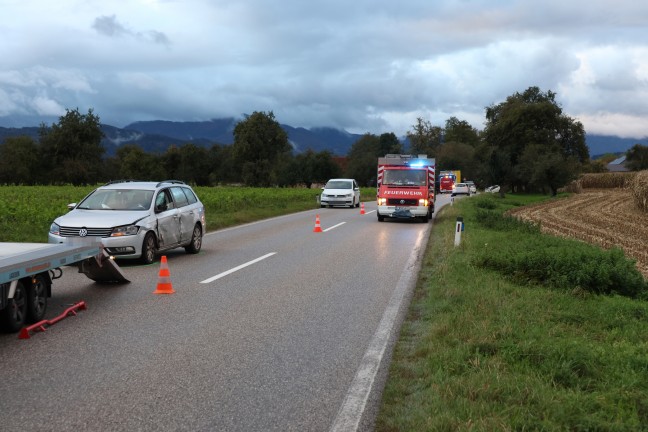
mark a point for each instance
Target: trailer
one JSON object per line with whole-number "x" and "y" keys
{"x": 27, "y": 271}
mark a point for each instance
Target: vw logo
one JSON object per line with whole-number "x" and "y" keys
{"x": 402, "y": 201}
{"x": 83, "y": 232}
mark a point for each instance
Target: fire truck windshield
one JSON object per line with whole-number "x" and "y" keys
{"x": 407, "y": 177}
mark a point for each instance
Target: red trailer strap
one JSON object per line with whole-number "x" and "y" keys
{"x": 40, "y": 326}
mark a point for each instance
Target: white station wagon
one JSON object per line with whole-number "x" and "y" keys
{"x": 136, "y": 220}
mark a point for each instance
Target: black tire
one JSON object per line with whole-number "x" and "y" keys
{"x": 196, "y": 241}
{"x": 37, "y": 298}
{"x": 14, "y": 316}
{"x": 148, "y": 249}
{"x": 380, "y": 217}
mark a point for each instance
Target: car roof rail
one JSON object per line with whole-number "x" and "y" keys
{"x": 170, "y": 181}
{"x": 121, "y": 181}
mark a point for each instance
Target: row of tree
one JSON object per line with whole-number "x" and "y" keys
{"x": 528, "y": 144}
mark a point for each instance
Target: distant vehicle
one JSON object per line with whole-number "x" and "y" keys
{"x": 447, "y": 180}
{"x": 492, "y": 189}
{"x": 405, "y": 187}
{"x": 460, "y": 189}
{"x": 340, "y": 192}
{"x": 471, "y": 186}
{"x": 136, "y": 219}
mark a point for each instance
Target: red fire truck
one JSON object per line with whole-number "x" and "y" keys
{"x": 405, "y": 187}
{"x": 447, "y": 180}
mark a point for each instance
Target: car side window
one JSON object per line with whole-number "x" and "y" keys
{"x": 190, "y": 196}
{"x": 163, "y": 201}
{"x": 179, "y": 197}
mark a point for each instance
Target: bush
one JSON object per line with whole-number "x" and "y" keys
{"x": 564, "y": 264}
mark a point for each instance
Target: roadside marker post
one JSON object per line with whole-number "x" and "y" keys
{"x": 459, "y": 227}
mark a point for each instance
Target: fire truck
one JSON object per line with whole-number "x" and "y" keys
{"x": 447, "y": 180}
{"x": 405, "y": 187}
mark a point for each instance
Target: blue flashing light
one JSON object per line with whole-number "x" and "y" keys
{"x": 417, "y": 164}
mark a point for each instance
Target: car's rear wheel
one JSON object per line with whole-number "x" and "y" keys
{"x": 14, "y": 315}
{"x": 148, "y": 249}
{"x": 37, "y": 298}
{"x": 196, "y": 241}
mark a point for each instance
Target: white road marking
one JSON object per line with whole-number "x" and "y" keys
{"x": 370, "y": 211}
{"x": 218, "y": 276}
{"x": 350, "y": 413}
{"x": 334, "y": 226}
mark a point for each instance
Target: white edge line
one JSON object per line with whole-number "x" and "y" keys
{"x": 230, "y": 271}
{"x": 334, "y": 226}
{"x": 350, "y": 413}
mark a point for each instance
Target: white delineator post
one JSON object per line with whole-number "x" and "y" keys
{"x": 458, "y": 228}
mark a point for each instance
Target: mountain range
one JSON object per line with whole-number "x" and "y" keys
{"x": 157, "y": 135}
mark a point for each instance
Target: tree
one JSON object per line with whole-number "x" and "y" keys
{"x": 460, "y": 131}
{"x": 637, "y": 157}
{"x": 19, "y": 161}
{"x": 259, "y": 141}
{"x": 364, "y": 153}
{"x": 72, "y": 150}
{"x": 134, "y": 163}
{"x": 532, "y": 118}
{"x": 425, "y": 138}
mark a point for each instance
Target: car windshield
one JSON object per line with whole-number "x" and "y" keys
{"x": 118, "y": 199}
{"x": 405, "y": 177}
{"x": 339, "y": 184}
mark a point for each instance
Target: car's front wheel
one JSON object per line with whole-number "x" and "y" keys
{"x": 148, "y": 249}
{"x": 196, "y": 241}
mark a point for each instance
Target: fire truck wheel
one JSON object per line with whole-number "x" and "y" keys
{"x": 380, "y": 218}
{"x": 14, "y": 315}
{"x": 37, "y": 298}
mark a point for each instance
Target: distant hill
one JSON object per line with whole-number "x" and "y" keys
{"x": 601, "y": 144}
{"x": 156, "y": 136}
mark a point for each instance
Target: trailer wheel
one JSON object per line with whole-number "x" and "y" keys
{"x": 148, "y": 249}
{"x": 37, "y": 298}
{"x": 14, "y": 315}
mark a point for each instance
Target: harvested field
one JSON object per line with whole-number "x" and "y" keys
{"x": 604, "y": 217}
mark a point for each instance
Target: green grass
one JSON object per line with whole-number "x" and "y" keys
{"x": 26, "y": 212}
{"x": 499, "y": 348}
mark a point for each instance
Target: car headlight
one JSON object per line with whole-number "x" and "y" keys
{"x": 348, "y": 195}
{"x": 126, "y": 230}
{"x": 55, "y": 229}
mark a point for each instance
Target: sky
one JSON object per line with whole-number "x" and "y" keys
{"x": 360, "y": 65}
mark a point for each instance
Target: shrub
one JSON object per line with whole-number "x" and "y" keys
{"x": 564, "y": 264}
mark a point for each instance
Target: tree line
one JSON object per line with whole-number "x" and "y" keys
{"x": 527, "y": 144}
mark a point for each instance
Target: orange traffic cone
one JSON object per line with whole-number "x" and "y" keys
{"x": 164, "y": 279}
{"x": 362, "y": 209}
{"x": 317, "y": 228}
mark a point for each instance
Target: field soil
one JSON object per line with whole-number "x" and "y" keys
{"x": 604, "y": 217}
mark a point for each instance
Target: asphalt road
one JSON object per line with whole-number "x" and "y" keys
{"x": 272, "y": 327}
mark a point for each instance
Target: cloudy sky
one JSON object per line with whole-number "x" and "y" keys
{"x": 361, "y": 65}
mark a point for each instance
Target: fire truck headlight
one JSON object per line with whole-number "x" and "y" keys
{"x": 382, "y": 201}
{"x": 423, "y": 202}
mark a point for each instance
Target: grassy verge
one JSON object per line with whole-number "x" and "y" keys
{"x": 492, "y": 343}
{"x": 26, "y": 212}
